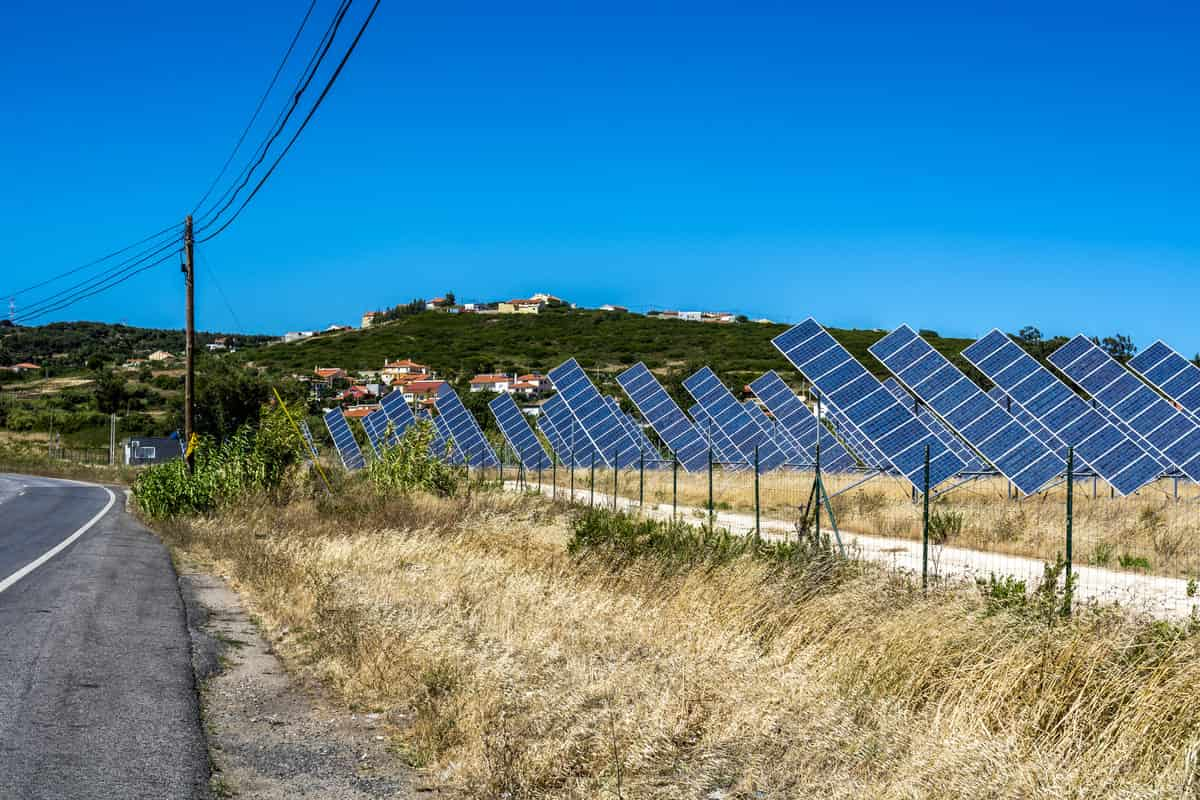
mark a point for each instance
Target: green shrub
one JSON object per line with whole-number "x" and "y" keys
{"x": 410, "y": 465}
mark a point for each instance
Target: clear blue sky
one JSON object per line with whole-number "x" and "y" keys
{"x": 867, "y": 164}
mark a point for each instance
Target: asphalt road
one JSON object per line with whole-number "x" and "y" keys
{"x": 97, "y": 691}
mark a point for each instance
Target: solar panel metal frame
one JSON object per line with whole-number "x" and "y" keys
{"x": 557, "y": 447}
{"x": 375, "y": 436}
{"x": 581, "y": 452}
{"x": 464, "y": 429}
{"x": 398, "y": 413}
{"x": 735, "y": 422}
{"x": 595, "y": 416}
{"x": 1168, "y": 434}
{"x": 940, "y": 430}
{"x": 1120, "y": 461}
{"x": 795, "y": 419}
{"x": 671, "y": 424}
{"x": 447, "y": 447}
{"x": 723, "y": 450}
{"x": 954, "y": 399}
{"x": 306, "y": 432}
{"x": 518, "y": 433}
{"x": 861, "y": 398}
{"x": 775, "y": 432}
{"x": 343, "y": 439}
{"x": 646, "y": 450}
{"x": 1169, "y": 371}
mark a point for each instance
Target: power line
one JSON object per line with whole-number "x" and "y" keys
{"x": 211, "y": 272}
{"x": 285, "y": 114}
{"x": 324, "y": 92}
{"x": 102, "y": 259}
{"x": 75, "y": 299}
{"x": 258, "y": 109}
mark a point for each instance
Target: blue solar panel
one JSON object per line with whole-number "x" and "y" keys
{"x": 447, "y": 447}
{"x": 1006, "y": 444}
{"x": 576, "y": 448}
{"x": 868, "y": 453}
{"x": 1098, "y": 444}
{"x": 1173, "y": 375}
{"x": 793, "y": 454}
{"x": 343, "y": 439}
{"x": 1029, "y": 421}
{"x": 306, "y": 432}
{"x": 595, "y": 417}
{"x": 722, "y": 448}
{"x": 890, "y": 426}
{"x": 377, "y": 428}
{"x": 464, "y": 429}
{"x": 398, "y": 413}
{"x": 948, "y": 437}
{"x": 1169, "y": 435}
{"x": 723, "y": 408}
{"x": 668, "y": 421}
{"x": 518, "y": 434}
{"x": 561, "y": 451}
{"x": 646, "y": 448}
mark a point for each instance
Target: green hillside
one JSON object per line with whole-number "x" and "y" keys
{"x": 460, "y": 345}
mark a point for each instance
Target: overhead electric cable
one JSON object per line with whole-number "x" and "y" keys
{"x": 75, "y": 299}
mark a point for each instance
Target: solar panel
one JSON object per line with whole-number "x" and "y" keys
{"x": 518, "y": 434}
{"x": 1100, "y": 445}
{"x": 899, "y": 436}
{"x": 464, "y": 429}
{"x": 723, "y": 450}
{"x": 595, "y": 417}
{"x": 343, "y": 439}
{"x": 561, "y": 451}
{"x": 1168, "y": 434}
{"x": 1006, "y": 444}
{"x": 1029, "y": 421}
{"x": 577, "y": 448}
{"x": 447, "y": 448}
{"x": 723, "y": 409}
{"x": 306, "y": 432}
{"x": 668, "y": 421}
{"x": 645, "y": 448}
{"x": 948, "y": 437}
{"x": 794, "y": 418}
{"x": 396, "y": 409}
{"x": 792, "y": 452}
{"x": 376, "y": 426}
{"x": 853, "y": 438}
{"x": 650, "y": 451}
{"x": 1173, "y": 375}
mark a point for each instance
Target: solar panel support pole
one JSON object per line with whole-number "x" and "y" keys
{"x": 641, "y": 479}
{"x": 757, "y": 512}
{"x": 925, "y": 527}
{"x": 616, "y": 473}
{"x": 710, "y": 488}
{"x": 592, "y": 483}
{"x": 1070, "y": 513}
{"x": 674, "y": 485}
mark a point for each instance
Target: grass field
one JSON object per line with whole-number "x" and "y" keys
{"x": 510, "y": 666}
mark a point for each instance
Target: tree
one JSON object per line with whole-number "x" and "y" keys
{"x": 1031, "y": 338}
{"x": 451, "y": 300}
{"x": 1119, "y": 346}
{"x": 227, "y": 397}
{"x": 110, "y": 392}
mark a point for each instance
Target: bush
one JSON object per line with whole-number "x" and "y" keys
{"x": 410, "y": 465}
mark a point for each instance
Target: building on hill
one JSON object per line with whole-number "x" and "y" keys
{"x": 23, "y": 367}
{"x": 401, "y": 370}
{"x": 423, "y": 391}
{"x": 357, "y": 393}
{"x": 530, "y": 306}
{"x": 548, "y": 299}
{"x": 295, "y": 336}
{"x": 492, "y": 382}
{"x": 358, "y": 412}
{"x": 611, "y": 307}
{"x": 532, "y": 384}
{"x": 161, "y": 356}
{"x": 328, "y": 375}
{"x": 217, "y": 345}
{"x": 368, "y": 318}
{"x": 334, "y": 328}
{"x": 440, "y": 304}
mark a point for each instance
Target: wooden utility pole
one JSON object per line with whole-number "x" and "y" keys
{"x": 189, "y": 380}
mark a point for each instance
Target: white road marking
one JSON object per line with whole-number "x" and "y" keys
{"x": 11, "y": 580}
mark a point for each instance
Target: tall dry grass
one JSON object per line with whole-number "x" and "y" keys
{"x": 1149, "y": 532}
{"x": 513, "y": 669}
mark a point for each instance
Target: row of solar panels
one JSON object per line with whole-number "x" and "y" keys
{"x": 1129, "y": 435}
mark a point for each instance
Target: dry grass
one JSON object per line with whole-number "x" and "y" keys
{"x": 515, "y": 670}
{"x": 1147, "y": 532}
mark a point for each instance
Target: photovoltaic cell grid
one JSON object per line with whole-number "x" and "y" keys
{"x": 948, "y": 437}
{"x": 1173, "y": 375}
{"x": 398, "y": 413}
{"x": 868, "y": 453}
{"x": 343, "y": 439}
{"x": 792, "y": 453}
{"x": 1029, "y": 421}
{"x": 649, "y": 449}
{"x": 561, "y": 452}
{"x": 464, "y": 429}
{"x": 1124, "y": 465}
{"x": 518, "y": 434}
{"x": 723, "y": 409}
{"x": 577, "y": 447}
{"x": 723, "y": 451}
{"x": 860, "y": 397}
{"x": 376, "y": 426}
{"x": 668, "y": 421}
{"x": 308, "y": 438}
{"x": 955, "y": 399}
{"x": 1170, "y": 435}
{"x": 447, "y": 448}
{"x": 595, "y": 417}
{"x": 645, "y": 448}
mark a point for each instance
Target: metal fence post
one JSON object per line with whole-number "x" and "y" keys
{"x": 554, "y": 477}
{"x": 674, "y": 485}
{"x": 710, "y": 488}
{"x": 1070, "y": 512}
{"x": 502, "y": 449}
{"x": 572, "y": 498}
{"x": 925, "y": 525}
{"x": 757, "y": 511}
{"x": 592, "y": 482}
{"x": 641, "y": 479}
{"x": 616, "y": 473}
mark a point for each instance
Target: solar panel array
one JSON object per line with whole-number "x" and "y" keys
{"x": 1123, "y": 464}
{"x": 863, "y": 400}
{"x": 396, "y": 409}
{"x": 1029, "y": 421}
{"x": 948, "y": 437}
{"x": 306, "y": 432}
{"x": 464, "y": 429}
{"x": 668, "y": 421}
{"x": 1007, "y": 445}
{"x": 574, "y": 447}
{"x": 343, "y": 439}
{"x": 1172, "y": 374}
{"x": 728, "y": 414}
{"x": 645, "y": 448}
{"x": 852, "y": 439}
{"x": 447, "y": 447}
{"x": 1168, "y": 434}
{"x": 722, "y": 447}
{"x": 518, "y": 434}
{"x": 596, "y": 418}
{"x": 793, "y": 455}
{"x": 375, "y": 434}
